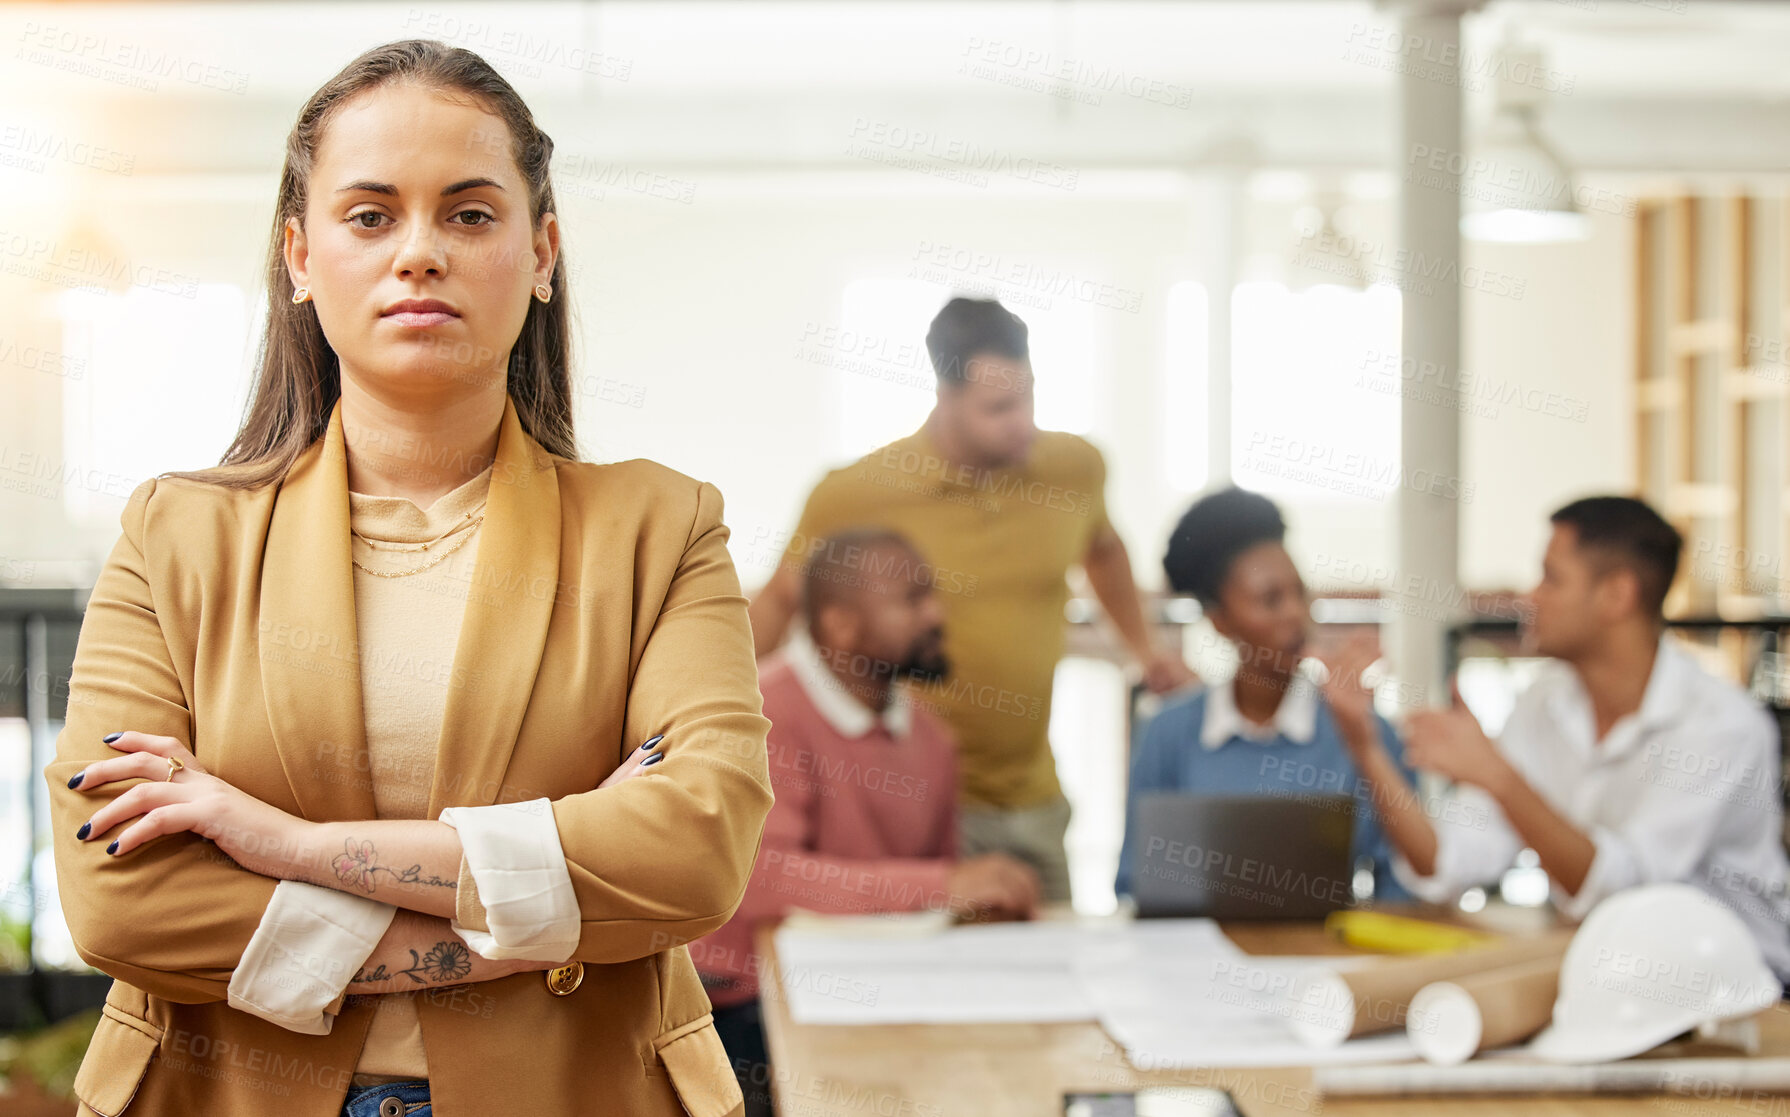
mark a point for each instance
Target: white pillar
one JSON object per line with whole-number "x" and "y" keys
{"x": 1428, "y": 518}
{"x": 1221, "y": 246}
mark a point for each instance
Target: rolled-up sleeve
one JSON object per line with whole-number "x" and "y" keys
{"x": 308, "y": 946}
{"x": 1618, "y": 863}
{"x": 175, "y": 917}
{"x": 1679, "y": 811}
{"x": 521, "y": 904}
{"x": 664, "y": 857}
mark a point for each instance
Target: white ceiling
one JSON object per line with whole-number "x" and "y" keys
{"x": 1697, "y": 48}
{"x": 1640, "y": 84}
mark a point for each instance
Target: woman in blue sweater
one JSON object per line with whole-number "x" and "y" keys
{"x": 1270, "y": 730}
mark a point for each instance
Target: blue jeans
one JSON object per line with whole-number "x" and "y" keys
{"x": 396, "y": 1099}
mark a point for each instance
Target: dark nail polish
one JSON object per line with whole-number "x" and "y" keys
{"x": 653, "y": 759}
{"x": 75, "y": 780}
{"x": 110, "y": 737}
{"x": 81, "y": 834}
{"x": 654, "y": 741}
{"x": 113, "y": 848}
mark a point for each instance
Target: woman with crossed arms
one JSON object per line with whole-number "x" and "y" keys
{"x": 404, "y": 750}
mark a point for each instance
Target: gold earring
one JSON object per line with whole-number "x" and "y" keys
{"x": 543, "y": 292}
{"x": 301, "y": 294}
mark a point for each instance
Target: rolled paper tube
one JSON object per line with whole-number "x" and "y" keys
{"x": 1329, "y": 1007}
{"x": 1451, "y": 1021}
{"x": 1720, "y": 1078}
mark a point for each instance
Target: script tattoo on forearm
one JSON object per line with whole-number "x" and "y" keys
{"x": 357, "y": 867}
{"x": 447, "y": 961}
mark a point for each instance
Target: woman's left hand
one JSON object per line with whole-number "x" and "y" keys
{"x": 259, "y": 837}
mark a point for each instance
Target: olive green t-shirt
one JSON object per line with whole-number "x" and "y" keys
{"x": 997, "y": 544}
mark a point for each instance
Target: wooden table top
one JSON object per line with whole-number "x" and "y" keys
{"x": 1023, "y": 1070}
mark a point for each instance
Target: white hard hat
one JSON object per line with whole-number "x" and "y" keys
{"x": 1648, "y": 964}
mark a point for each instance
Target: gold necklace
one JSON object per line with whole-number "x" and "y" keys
{"x": 440, "y": 556}
{"x": 389, "y": 545}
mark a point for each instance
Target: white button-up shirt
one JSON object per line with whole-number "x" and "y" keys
{"x": 1684, "y": 789}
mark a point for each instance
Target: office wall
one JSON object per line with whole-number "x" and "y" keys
{"x": 705, "y": 345}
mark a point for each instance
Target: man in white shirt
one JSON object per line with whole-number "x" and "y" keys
{"x": 1623, "y": 764}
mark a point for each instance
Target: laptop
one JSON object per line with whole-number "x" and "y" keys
{"x": 1243, "y": 857}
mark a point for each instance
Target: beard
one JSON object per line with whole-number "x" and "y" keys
{"x": 925, "y": 663}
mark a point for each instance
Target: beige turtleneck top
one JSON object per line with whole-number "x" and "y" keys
{"x": 408, "y": 627}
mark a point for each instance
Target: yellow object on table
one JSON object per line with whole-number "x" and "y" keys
{"x": 1398, "y": 934}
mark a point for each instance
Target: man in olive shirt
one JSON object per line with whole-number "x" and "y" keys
{"x": 1000, "y": 510}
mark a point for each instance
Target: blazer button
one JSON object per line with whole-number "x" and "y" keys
{"x": 561, "y": 980}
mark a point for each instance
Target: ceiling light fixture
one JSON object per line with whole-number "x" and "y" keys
{"x": 1515, "y": 187}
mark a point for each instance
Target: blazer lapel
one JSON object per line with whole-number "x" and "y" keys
{"x": 515, "y": 583}
{"x": 309, "y": 642}
{"x": 310, "y": 648}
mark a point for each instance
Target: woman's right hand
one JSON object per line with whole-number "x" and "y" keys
{"x": 638, "y": 761}
{"x": 1350, "y": 698}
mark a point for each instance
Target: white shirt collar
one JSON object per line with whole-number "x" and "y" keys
{"x": 1296, "y": 719}
{"x": 1668, "y": 687}
{"x": 1671, "y": 688}
{"x": 844, "y": 711}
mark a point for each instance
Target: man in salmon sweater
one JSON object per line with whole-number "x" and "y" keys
{"x": 865, "y": 818}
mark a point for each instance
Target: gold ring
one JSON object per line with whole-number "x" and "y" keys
{"x": 173, "y": 767}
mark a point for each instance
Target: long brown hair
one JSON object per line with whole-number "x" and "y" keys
{"x": 298, "y": 378}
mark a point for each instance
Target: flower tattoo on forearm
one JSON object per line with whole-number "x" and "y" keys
{"x": 357, "y": 865}
{"x": 448, "y": 961}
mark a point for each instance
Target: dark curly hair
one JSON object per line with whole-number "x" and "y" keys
{"x": 1209, "y": 537}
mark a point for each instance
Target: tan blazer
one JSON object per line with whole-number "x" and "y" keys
{"x": 604, "y": 609}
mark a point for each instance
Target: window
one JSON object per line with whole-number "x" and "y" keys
{"x": 1087, "y": 735}
{"x": 162, "y": 389}
{"x": 1185, "y": 417}
{"x": 1327, "y": 348}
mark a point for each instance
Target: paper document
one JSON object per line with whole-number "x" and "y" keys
{"x": 1172, "y": 992}
{"x": 981, "y": 973}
